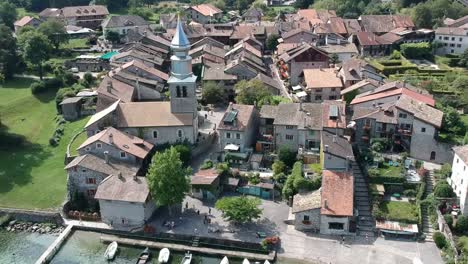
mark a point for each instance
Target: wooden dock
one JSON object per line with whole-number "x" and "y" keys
{"x": 178, "y": 247}
{"x": 53, "y": 248}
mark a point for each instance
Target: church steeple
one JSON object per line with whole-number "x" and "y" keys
{"x": 182, "y": 82}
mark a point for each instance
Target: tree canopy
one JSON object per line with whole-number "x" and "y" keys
{"x": 55, "y": 32}
{"x": 8, "y": 54}
{"x": 8, "y": 14}
{"x": 167, "y": 178}
{"x": 36, "y": 49}
{"x": 272, "y": 41}
{"x": 239, "y": 209}
{"x": 212, "y": 93}
{"x": 252, "y": 92}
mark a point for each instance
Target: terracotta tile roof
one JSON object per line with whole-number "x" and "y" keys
{"x": 337, "y": 193}
{"x": 316, "y": 16}
{"x": 294, "y": 32}
{"x": 283, "y": 47}
{"x": 292, "y": 53}
{"x": 396, "y": 85}
{"x": 271, "y": 82}
{"x": 302, "y": 115}
{"x": 207, "y": 40}
{"x": 340, "y": 48}
{"x": 50, "y": 12}
{"x": 370, "y": 39}
{"x": 340, "y": 121}
{"x": 23, "y": 21}
{"x": 451, "y": 31}
{"x": 307, "y": 201}
{"x": 462, "y": 152}
{"x": 111, "y": 90}
{"x": 79, "y": 11}
{"x": 204, "y": 177}
{"x": 322, "y": 78}
{"x": 95, "y": 163}
{"x": 123, "y": 188}
{"x": 206, "y": 9}
{"x": 244, "y": 31}
{"x": 390, "y": 37}
{"x": 359, "y": 85}
{"x": 150, "y": 114}
{"x": 244, "y": 113}
{"x": 385, "y": 23}
{"x": 127, "y": 143}
{"x": 420, "y": 110}
{"x": 383, "y": 114}
{"x": 458, "y": 22}
{"x": 216, "y": 73}
{"x": 337, "y": 25}
{"x": 145, "y": 68}
{"x": 401, "y": 91}
{"x": 352, "y": 26}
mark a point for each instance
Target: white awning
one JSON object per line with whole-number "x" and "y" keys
{"x": 301, "y": 94}
{"x": 297, "y": 87}
{"x": 231, "y": 147}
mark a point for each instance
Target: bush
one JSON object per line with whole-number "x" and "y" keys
{"x": 396, "y": 55}
{"x": 439, "y": 240}
{"x": 462, "y": 224}
{"x": 185, "y": 153}
{"x": 278, "y": 167}
{"x": 416, "y": 50}
{"x": 207, "y": 164}
{"x": 287, "y": 156}
{"x": 37, "y": 87}
{"x": 443, "y": 189}
{"x": 53, "y": 83}
{"x": 449, "y": 220}
{"x": 409, "y": 193}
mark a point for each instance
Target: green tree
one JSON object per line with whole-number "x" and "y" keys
{"x": 287, "y": 156}
{"x": 239, "y": 209}
{"x": 278, "y": 167}
{"x": 303, "y": 4}
{"x": 464, "y": 59}
{"x": 36, "y": 50}
{"x": 462, "y": 224}
{"x": 452, "y": 121}
{"x": 113, "y": 36}
{"x": 8, "y": 54}
{"x": 212, "y": 93}
{"x": 252, "y": 92}
{"x": 334, "y": 59}
{"x": 88, "y": 79}
{"x": 461, "y": 83}
{"x": 167, "y": 178}
{"x": 272, "y": 42}
{"x": 55, "y": 32}
{"x": 421, "y": 50}
{"x": 422, "y": 16}
{"x": 8, "y": 14}
{"x": 439, "y": 240}
{"x": 443, "y": 189}
{"x": 185, "y": 153}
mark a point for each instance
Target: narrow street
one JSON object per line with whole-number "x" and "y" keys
{"x": 275, "y": 75}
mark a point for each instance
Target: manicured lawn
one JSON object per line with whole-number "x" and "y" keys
{"x": 387, "y": 170}
{"x": 77, "y": 142}
{"x": 400, "y": 211}
{"x": 78, "y": 43}
{"x": 287, "y": 9}
{"x": 31, "y": 173}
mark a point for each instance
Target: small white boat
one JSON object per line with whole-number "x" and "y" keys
{"x": 187, "y": 258}
{"x": 225, "y": 260}
{"x": 164, "y": 255}
{"x": 245, "y": 261}
{"x": 111, "y": 250}
{"x": 266, "y": 262}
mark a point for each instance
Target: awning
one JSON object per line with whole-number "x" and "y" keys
{"x": 301, "y": 94}
{"x": 231, "y": 147}
{"x": 109, "y": 55}
{"x": 297, "y": 87}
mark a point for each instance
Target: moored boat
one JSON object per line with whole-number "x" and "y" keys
{"x": 245, "y": 261}
{"x": 266, "y": 262}
{"x": 187, "y": 258}
{"x": 164, "y": 255}
{"x": 225, "y": 260}
{"x": 145, "y": 256}
{"x": 111, "y": 250}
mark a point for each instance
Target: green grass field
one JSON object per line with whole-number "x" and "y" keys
{"x": 31, "y": 174}
{"x": 392, "y": 171}
{"x": 400, "y": 211}
{"x": 77, "y": 43}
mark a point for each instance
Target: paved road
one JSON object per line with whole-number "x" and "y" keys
{"x": 275, "y": 75}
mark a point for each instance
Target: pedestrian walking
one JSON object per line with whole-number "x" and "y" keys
{"x": 198, "y": 212}
{"x": 186, "y": 205}
{"x": 367, "y": 238}
{"x": 209, "y": 210}
{"x": 343, "y": 239}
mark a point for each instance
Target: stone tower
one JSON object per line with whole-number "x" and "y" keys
{"x": 182, "y": 82}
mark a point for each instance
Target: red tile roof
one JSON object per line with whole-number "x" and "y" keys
{"x": 205, "y": 177}
{"x": 337, "y": 193}
{"x": 206, "y": 9}
{"x": 417, "y": 96}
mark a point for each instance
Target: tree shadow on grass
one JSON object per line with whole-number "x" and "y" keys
{"x": 46, "y": 96}
{"x": 18, "y": 157}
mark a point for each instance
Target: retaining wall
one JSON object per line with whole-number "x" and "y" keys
{"x": 33, "y": 216}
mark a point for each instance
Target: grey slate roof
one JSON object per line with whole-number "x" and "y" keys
{"x": 268, "y": 81}
{"x": 123, "y": 21}
{"x": 126, "y": 189}
{"x": 307, "y": 201}
{"x": 95, "y": 163}
{"x": 304, "y": 116}
{"x": 268, "y": 111}
{"x": 462, "y": 151}
{"x": 420, "y": 110}
{"x": 337, "y": 145}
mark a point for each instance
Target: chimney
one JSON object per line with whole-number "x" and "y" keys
{"x": 326, "y": 148}
{"x": 111, "y": 139}
{"x": 106, "y": 156}
{"x": 109, "y": 86}
{"x": 325, "y": 204}
{"x": 334, "y": 138}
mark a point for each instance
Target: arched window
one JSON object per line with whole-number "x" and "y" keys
{"x": 180, "y": 133}
{"x": 178, "y": 91}
{"x": 155, "y": 134}
{"x": 184, "y": 91}
{"x": 433, "y": 155}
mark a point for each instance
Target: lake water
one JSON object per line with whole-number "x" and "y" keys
{"x": 86, "y": 247}
{"x": 22, "y": 248}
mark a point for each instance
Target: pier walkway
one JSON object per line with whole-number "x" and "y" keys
{"x": 50, "y": 252}
{"x": 178, "y": 247}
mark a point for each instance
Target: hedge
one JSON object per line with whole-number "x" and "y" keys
{"x": 386, "y": 179}
{"x": 416, "y": 50}
{"x": 420, "y": 194}
{"x": 391, "y": 62}
{"x": 387, "y": 70}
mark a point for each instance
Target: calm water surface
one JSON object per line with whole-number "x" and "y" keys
{"x": 22, "y": 248}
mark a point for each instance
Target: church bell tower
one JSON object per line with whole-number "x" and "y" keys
{"x": 182, "y": 82}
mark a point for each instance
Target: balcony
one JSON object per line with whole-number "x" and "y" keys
{"x": 405, "y": 132}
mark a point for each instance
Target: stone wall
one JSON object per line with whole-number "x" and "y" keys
{"x": 445, "y": 229}
{"x": 33, "y": 216}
